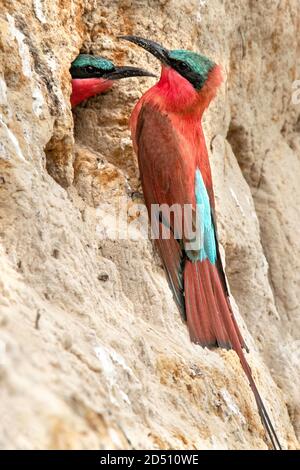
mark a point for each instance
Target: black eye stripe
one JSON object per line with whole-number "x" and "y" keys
{"x": 181, "y": 66}
{"x": 90, "y": 71}
{"x": 90, "y": 68}
{"x": 186, "y": 71}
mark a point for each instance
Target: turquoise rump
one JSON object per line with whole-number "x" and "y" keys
{"x": 204, "y": 221}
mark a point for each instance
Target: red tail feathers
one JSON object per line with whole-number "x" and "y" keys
{"x": 211, "y": 322}
{"x": 209, "y": 316}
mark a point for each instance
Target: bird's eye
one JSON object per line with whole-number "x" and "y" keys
{"x": 90, "y": 69}
{"x": 183, "y": 66}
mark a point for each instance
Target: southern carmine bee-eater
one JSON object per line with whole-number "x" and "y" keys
{"x": 92, "y": 75}
{"x": 175, "y": 172}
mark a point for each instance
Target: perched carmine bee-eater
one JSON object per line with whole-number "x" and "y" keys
{"x": 92, "y": 75}
{"x": 175, "y": 172}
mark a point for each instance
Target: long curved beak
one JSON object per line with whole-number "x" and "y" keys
{"x": 154, "y": 48}
{"x": 126, "y": 72}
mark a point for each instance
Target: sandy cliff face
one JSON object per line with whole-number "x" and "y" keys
{"x": 92, "y": 350}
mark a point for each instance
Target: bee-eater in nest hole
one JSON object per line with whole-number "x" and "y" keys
{"x": 92, "y": 75}
{"x": 175, "y": 173}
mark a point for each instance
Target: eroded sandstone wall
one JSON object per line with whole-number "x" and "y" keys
{"x": 93, "y": 352}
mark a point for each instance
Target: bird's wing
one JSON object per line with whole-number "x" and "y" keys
{"x": 168, "y": 176}
{"x": 164, "y": 181}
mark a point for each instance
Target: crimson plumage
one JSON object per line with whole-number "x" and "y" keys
{"x": 83, "y": 88}
{"x": 170, "y": 146}
{"x": 174, "y": 167}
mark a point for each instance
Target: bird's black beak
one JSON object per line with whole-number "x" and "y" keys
{"x": 154, "y": 48}
{"x": 126, "y": 72}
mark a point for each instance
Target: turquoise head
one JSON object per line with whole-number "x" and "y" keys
{"x": 192, "y": 66}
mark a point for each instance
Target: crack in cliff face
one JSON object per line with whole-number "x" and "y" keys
{"x": 59, "y": 160}
{"x": 238, "y": 137}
